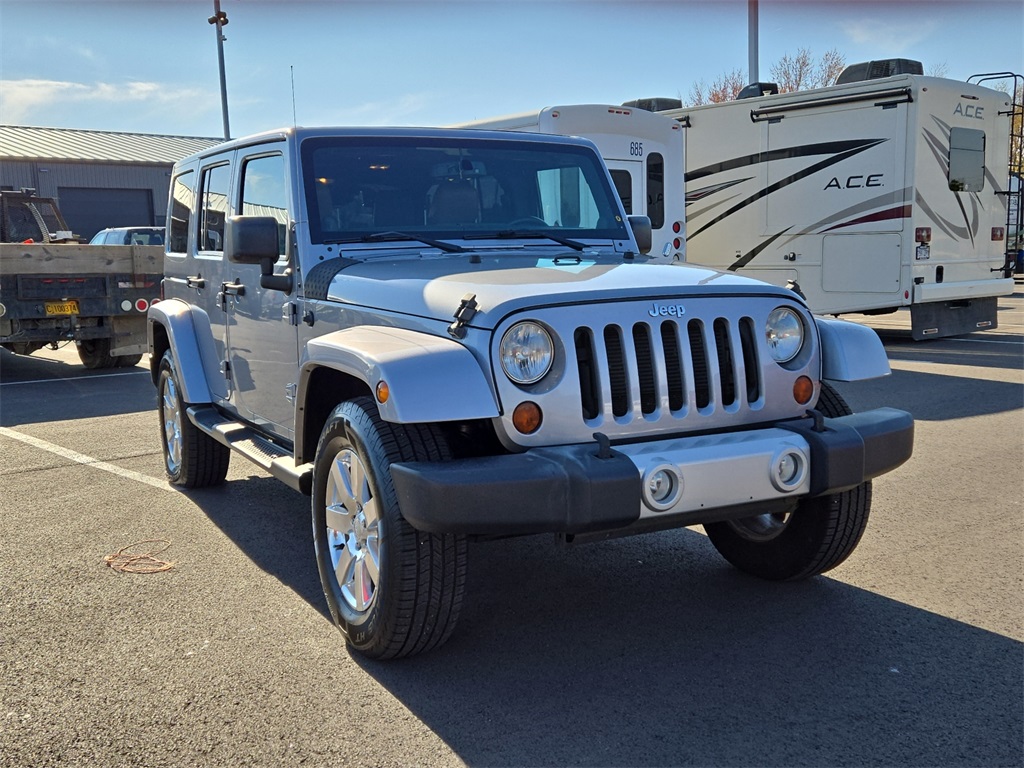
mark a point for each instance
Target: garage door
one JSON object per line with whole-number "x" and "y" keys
{"x": 87, "y": 211}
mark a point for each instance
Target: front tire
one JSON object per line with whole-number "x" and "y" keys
{"x": 192, "y": 458}
{"x": 815, "y": 536}
{"x": 393, "y": 591}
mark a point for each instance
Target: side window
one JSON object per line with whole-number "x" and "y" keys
{"x": 179, "y": 212}
{"x": 214, "y": 207}
{"x": 263, "y": 192}
{"x": 22, "y": 225}
{"x": 623, "y": 182}
{"x": 656, "y": 190}
{"x": 966, "y": 160}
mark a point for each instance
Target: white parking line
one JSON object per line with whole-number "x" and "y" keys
{"x": 988, "y": 341}
{"x": 81, "y": 458}
{"x": 77, "y": 378}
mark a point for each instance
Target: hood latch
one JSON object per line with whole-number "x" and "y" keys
{"x": 465, "y": 312}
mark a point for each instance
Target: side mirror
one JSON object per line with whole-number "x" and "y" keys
{"x": 642, "y": 233}
{"x": 250, "y": 239}
{"x": 254, "y": 240}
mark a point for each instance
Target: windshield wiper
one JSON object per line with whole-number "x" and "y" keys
{"x": 512, "y": 234}
{"x": 377, "y": 237}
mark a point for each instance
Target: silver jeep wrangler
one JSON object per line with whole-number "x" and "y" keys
{"x": 445, "y": 335}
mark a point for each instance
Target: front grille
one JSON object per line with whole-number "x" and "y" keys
{"x": 672, "y": 366}
{"x": 637, "y": 370}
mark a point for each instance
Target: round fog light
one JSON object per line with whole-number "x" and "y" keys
{"x": 662, "y": 487}
{"x": 788, "y": 470}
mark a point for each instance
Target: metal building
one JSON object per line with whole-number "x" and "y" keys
{"x": 99, "y": 178}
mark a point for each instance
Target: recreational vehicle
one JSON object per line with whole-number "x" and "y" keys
{"x": 867, "y": 196}
{"x": 643, "y": 152}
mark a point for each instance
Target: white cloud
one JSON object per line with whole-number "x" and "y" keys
{"x": 399, "y": 111}
{"x": 33, "y": 101}
{"x": 887, "y": 35}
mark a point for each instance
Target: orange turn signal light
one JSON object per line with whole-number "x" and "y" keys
{"x": 803, "y": 390}
{"x": 383, "y": 391}
{"x": 527, "y": 417}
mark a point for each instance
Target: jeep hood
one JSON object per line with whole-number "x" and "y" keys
{"x": 434, "y": 287}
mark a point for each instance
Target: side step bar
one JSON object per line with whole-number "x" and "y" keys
{"x": 253, "y": 446}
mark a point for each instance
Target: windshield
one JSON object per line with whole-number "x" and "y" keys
{"x": 358, "y": 187}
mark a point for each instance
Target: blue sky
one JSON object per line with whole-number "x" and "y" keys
{"x": 150, "y": 66}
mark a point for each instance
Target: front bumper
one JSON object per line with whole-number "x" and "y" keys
{"x": 581, "y": 488}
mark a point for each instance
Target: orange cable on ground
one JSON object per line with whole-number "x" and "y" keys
{"x": 140, "y": 562}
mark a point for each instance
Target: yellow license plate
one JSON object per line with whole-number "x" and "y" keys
{"x": 61, "y": 308}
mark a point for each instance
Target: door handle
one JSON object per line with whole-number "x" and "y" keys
{"x": 195, "y": 281}
{"x": 232, "y": 289}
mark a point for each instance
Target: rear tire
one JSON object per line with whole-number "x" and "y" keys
{"x": 95, "y": 354}
{"x": 192, "y": 458}
{"x": 127, "y": 361}
{"x": 393, "y": 591}
{"x": 815, "y": 536}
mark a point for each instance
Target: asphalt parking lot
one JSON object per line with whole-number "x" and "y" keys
{"x": 648, "y": 651}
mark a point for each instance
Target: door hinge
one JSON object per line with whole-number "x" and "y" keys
{"x": 289, "y": 392}
{"x": 225, "y": 369}
{"x": 290, "y": 312}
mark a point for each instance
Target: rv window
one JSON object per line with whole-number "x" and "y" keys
{"x": 624, "y": 186}
{"x": 966, "y": 160}
{"x": 180, "y": 214}
{"x": 566, "y": 199}
{"x": 656, "y": 190}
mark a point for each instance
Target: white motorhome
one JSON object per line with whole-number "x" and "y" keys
{"x": 643, "y": 151}
{"x": 870, "y": 195}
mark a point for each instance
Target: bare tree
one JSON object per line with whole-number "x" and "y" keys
{"x": 830, "y": 67}
{"x": 726, "y": 87}
{"x": 801, "y": 71}
{"x": 937, "y": 70}
{"x": 791, "y": 73}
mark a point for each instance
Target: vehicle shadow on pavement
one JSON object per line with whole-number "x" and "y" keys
{"x": 36, "y": 390}
{"x": 653, "y": 652}
{"x": 934, "y": 396}
{"x": 1002, "y": 351}
{"x": 270, "y": 523}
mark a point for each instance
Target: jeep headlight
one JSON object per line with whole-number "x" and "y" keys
{"x": 784, "y": 332}
{"x": 526, "y": 352}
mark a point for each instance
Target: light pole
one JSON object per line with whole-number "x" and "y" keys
{"x": 752, "y": 41}
{"x": 219, "y": 19}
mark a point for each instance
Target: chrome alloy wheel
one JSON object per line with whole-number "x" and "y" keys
{"x": 171, "y": 413}
{"x": 761, "y": 527}
{"x": 354, "y": 530}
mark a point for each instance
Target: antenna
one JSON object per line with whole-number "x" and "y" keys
{"x": 294, "y": 121}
